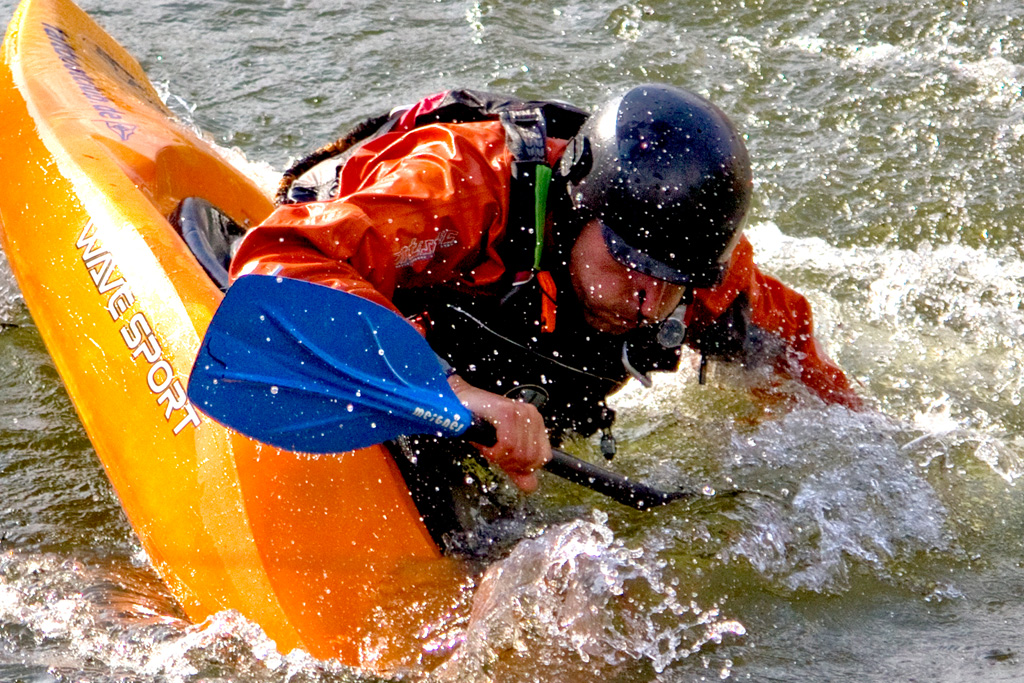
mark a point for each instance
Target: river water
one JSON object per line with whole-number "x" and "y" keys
{"x": 887, "y": 140}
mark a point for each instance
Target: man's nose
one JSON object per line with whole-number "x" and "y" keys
{"x": 655, "y": 299}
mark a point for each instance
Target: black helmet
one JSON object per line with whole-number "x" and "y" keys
{"x": 669, "y": 177}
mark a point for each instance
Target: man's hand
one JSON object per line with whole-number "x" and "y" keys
{"x": 522, "y": 446}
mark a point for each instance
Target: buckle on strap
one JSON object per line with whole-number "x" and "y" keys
{"x": 525, "y": 134}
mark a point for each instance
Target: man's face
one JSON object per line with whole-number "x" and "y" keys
{"x": 616, "y": 299}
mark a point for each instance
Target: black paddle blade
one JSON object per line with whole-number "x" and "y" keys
{"x": 303, "y": 367}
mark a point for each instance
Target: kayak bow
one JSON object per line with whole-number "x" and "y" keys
{"x": 101, "y": 189}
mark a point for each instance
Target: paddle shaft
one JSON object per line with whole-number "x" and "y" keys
{"x": 616, "y": 486}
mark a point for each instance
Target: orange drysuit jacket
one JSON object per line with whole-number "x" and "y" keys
{"x": 430, "y": 206}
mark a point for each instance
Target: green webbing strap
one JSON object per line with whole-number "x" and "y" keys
{"x": 526, "y": 136}
{"x": 540, "y": 210}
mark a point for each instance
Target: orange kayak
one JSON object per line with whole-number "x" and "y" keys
{"x": 104, "y": 192}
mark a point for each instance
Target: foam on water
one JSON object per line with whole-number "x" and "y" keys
{"x": 579, "y": 602}
{"x": 844, "y": 496}
{"x": 63, "y": 619}
{"x": 942, "y": 324}
{"x": 12, "y": 310}
{"x": 855, "y": 501}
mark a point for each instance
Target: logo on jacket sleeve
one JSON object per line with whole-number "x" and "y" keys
{"x": 424, "y": 250}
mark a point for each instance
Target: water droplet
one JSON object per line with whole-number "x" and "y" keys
{"x": 274, "y": 390}
{"x": 350, "y": 407}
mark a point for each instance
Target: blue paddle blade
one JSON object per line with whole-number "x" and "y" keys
{"x": 303, "y": 367}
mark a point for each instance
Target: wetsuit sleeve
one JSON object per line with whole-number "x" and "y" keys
{"x": 415, "y": 209}
{"x": 753, "y": 318}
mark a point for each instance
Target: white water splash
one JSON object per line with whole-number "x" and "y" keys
{"x": 939, "y": 321}
{"x": 942, "y": 436}
{"x": 858, "y": 484}
{"x": 11, "y": 302}
{"x": 103, "y": 624}
{"x": 856, "y": 501}
{"x": 577, "y": 603}
{"x": 960, "y": 287}
{"x": 260, "y": 172}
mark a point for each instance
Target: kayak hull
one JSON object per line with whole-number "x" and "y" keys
{"x": 309, "y": 547}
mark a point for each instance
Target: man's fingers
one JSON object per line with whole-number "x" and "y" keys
{"x": 527, "y": 483}
{"x": 522, "y": 445}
